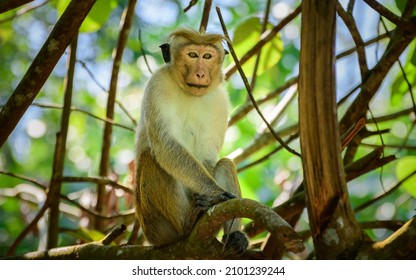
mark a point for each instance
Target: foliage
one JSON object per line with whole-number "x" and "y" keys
{"x": 28, "y": 151}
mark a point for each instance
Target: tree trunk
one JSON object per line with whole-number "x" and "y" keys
{"x": 334, "y": 228}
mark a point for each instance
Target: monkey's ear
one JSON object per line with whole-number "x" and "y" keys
{"x": 165, "y": 52}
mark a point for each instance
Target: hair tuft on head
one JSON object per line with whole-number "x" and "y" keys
{"x": 197, "y": 37}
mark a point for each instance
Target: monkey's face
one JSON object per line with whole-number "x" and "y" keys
{"x": 198, "y": 68}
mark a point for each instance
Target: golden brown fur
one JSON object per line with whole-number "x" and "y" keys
{"x": 182, "y": 127}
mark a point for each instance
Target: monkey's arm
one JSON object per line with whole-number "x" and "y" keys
{"x": 180, "y": 164}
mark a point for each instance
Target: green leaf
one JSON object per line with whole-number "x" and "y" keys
{"x": 96, "y": 18}
{"x": 401, "y": 4}
{"x": 404, "y": 168}
{"x": 246, "y": 35}
{"x": 84, "y": 234}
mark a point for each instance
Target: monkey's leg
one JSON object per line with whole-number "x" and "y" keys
{"x": 225, "y": 174}
{"x": 164, "y": 208}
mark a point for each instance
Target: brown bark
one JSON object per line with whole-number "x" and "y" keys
{"x": 401, "y": 245}
{"x": 127, "y": 21}
{"x": 400, "y": 40}
{"x": 60, "y": 150}
{"x": 201, "y": 244}
{"x": 7, "y": 5}
{"x": 42, "y": 66}
{"x": 333, "y": 226}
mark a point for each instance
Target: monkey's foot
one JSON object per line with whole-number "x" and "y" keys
{"x": 235, "y": 243}
{"x": 204, "y": 202}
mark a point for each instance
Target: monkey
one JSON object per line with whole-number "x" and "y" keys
{"x": 183, "y": 120}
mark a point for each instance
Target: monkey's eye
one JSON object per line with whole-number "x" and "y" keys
{"x": 192, "y": 55}
{"x": 207, "y": 56}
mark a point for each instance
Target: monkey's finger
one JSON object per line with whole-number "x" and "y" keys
{"x": 226, "y": 196}
{"x": 203, "y": 202}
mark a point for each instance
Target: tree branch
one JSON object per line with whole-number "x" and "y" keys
{"x": 21, "y": 11}
{"x": 98, "y": 180}
{"x": 397, "y": 20}
{"x": 42, "y": 66}
{"x": 75, "y": 109}
{"x": 385, "y": 193}
{"x": 201, "y": 244}
{"x": 211, "y": 222}
{"x": 400, "y": 40}
{"x": 401, "y": 245}
{"x": 247, "y": 107}
{"x": 7, "y": 5}
{"x": 60, "y": 150}
{"x": 190, "y": 5}
{"x": 205, "y": 16}
{"x": 264, "y": 39}
{"x": 320, "y": 141}
{"x": 359, "y": 43}
{"x": 250, "y": 94}
{"x": 126, "y": 22}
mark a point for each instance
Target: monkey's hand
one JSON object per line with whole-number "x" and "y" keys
{"x": 205, "y": 201}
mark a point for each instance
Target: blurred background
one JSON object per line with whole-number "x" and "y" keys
{"x": 28, "y": 153}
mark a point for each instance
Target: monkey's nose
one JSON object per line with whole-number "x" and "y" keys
{"x": 200, "y": 75}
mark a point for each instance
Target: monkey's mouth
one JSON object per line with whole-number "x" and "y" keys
{"x": 196, "y": 86}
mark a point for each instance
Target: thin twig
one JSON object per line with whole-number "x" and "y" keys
{"x": 399, "y": 21}
{"x": 25, "y": 178}
{"x": 23, "y": 11}
{"x": 348, "y": 95}
{"x": 190, "y": 5}
{"x": 243, "y": 76}
{"x": 28, "y": 228}
{"x": 143, "y": 52}
{"x": 263, "y": 29}
{"x": 359, "y": 43}
{"x": 60, "y": 150}
{"x": 10, "y": 5}
{"x": 360, "y": 124}
{"x": 247, "y": 107}
{"x": 399, "y": 42}
{"x": 264, "y": 39}
{"x": 390, "y": 146}
{"x": 44, "y": 187}
{"x": 75, "y": 109}
{"x": 42, "y": 66}
{"x": 384, "y": 194}
{"x": 126, "y": 22}
{"x": 391, "y": 224}
{"x": 350, "y": 7}
{"x": 92, "y": 76}
{"x": 100, "y": 180}
{"x": 118, "y": 102}
{"x": 367, "y": 43}
{"x": 266, "y": 156}
{"x": 205, "y": 16}
{"x": 113, "y": 235}
{"x": 261, "y": 141}
{"x": 391, "y": 116}
{"x": 409, "y": 86}
{"x": 126, "y": 112}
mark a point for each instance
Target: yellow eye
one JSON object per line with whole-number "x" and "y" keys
{"x": 192, "y": 55}
{"x": 207, "y": 56}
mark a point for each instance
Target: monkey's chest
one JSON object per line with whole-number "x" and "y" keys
{"x": 200, "y": 131}
{"x": 201, "y": 138}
